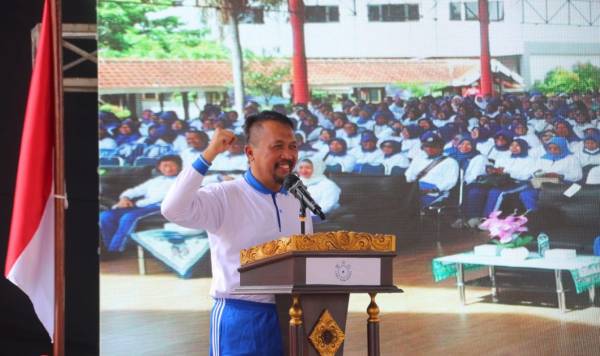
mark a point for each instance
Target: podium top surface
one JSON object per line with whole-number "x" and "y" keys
{"x": 323, "y": 242}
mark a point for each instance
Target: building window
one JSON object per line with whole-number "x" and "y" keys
{"x": 393, "y": 13}
{"x": 472, "y": 11}
{"x": 215, "y": 97}
{"x": 370, "y": 95}
{"x": 321, "y": 14}
{"x": 455, "y": 13}
{"x": 495, "y": 10}
{"x": 149, "y": 96}
{"x": 253, "y": 15}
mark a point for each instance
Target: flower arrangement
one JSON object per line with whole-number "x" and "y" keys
{"x": 507, "y": 232}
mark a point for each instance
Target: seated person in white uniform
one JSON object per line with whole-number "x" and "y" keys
{"x": 367, "y": 153}
{"x": 322, "y": 189}
{"x": 338, "y": 154}
{"x": 134, "y": 203}
{"x": 589, "y": 152}
{"x": 435, "y": 173}
{"x": 559, "y": 162}
{"x": 393, "y": 156}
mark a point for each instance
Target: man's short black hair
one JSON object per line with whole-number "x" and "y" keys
{"x": 170, "y": 158}
{"x": 266, "y": 115}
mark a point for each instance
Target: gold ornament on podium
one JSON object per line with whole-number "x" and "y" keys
{"x": 326, "y": 336}
{"x": 320, "y": 242}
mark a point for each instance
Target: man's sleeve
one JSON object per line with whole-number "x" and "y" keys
{"x": 137, "y": 191}
{"x": 189, "y": 205}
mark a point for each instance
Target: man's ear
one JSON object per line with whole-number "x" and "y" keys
{"x": 249, "y": 152}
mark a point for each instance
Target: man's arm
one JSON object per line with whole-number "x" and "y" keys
{"x": 188, "y": 205}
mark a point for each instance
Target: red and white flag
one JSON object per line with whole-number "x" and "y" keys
{"x": 30, "y": 258}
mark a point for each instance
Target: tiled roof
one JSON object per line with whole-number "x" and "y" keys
{"x": 121, "y": 75}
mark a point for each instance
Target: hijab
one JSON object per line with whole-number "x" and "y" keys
{"x": 507, "y": 135}
{"x": 318, "y": 174}
{"x": 463, "y": 159}
{"x": 593, "y": 137}
{"x": 396, "y": 147}
{"x": 524, "y": 148}
{"x": 562, "y": 144}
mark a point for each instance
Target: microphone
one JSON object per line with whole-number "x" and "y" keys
{"x": 294, "y": 185}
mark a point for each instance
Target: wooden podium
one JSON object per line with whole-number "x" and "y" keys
{"x": 312, "y": 277}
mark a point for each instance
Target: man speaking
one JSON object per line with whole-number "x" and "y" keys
{"x": 240, "y": 214}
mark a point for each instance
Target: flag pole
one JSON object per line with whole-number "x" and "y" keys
{"x": 59, "y": 185}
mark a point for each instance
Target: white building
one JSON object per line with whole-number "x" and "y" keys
{"x": 529, "y": 36}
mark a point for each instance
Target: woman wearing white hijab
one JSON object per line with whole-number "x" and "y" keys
{"x": 322, "y": 189}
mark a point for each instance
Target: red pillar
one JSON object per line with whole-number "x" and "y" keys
{"x": 486, "y": 71}
{"x": 299, "y": 71}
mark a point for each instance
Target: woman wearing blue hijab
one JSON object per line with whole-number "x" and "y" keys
{"x": 588, "y": 153}
{"x": 338, "y": 155}
{"x": 559, "y": 161}
{"x": 520, "y": 166}
{"x": 472, "y": 164}
{"x": 127, "y": 133}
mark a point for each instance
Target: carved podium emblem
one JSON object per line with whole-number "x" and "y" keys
{"x": 343, "y": 271}
{"x": 326, "y": 336}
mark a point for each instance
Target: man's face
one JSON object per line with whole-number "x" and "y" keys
{"x": 363, "y": 114}
{"x": 475, "y": 134}
{"x": 305, "y": 170}
{"x": 590, "y": 145}
{"x": 521, "y": 130}
{"x": 380, "y": 120}
{"x": 432, "y": 151}
{"x": 465, "y": 147}
{"x": 194, "y": 140}
{"x": 273, "y": 153}
{"x": 336, "y": 147}
{"x": 168, "y": 168}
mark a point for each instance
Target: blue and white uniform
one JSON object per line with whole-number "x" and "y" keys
{"x": 564, "y": 163}
{"x": 442, "y": 177}
{"x": 117, "y": 224}
{"x": 520, "y": 167}
{"x": 237, "y": 215}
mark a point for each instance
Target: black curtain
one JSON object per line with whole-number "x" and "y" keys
{"x": 20, "y": 331}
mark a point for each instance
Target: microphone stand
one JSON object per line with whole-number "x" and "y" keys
{"x": 302, "y": 217}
